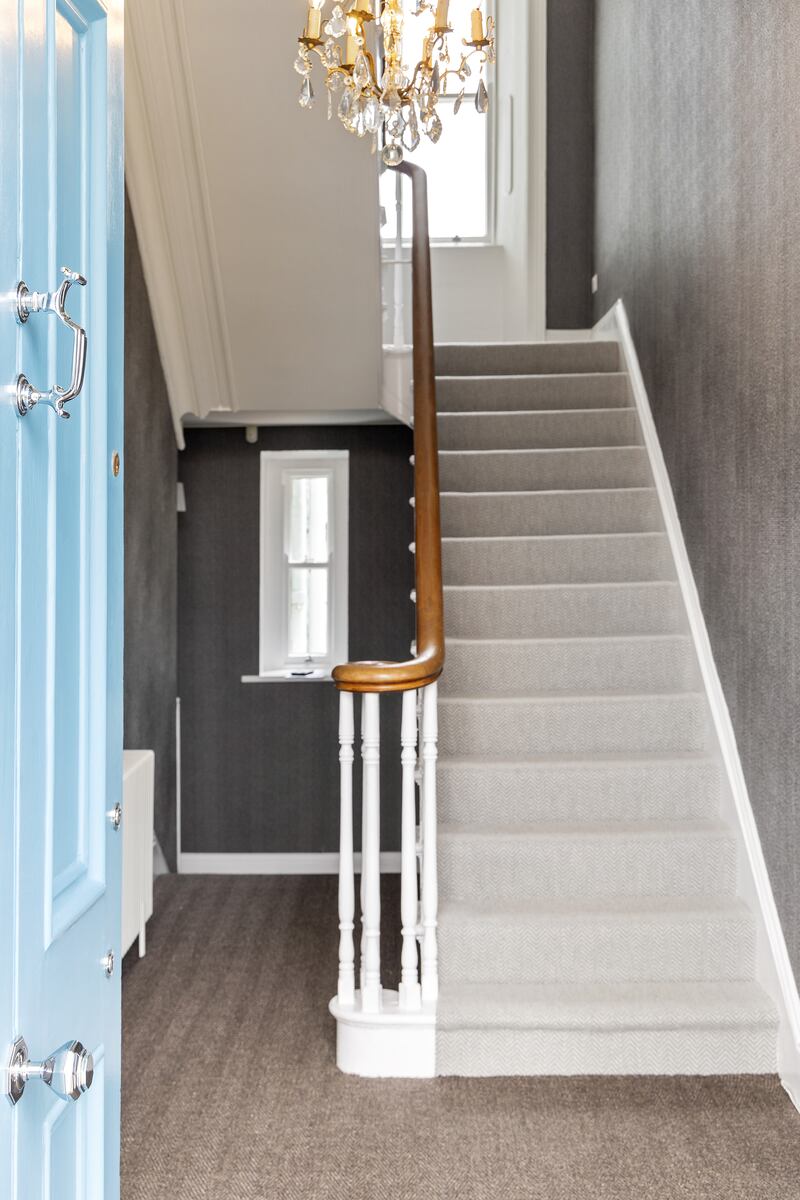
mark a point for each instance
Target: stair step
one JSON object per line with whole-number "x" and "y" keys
{"x": 553, "y": 558}
{"x": 628, "y": 788}
{"x": 526, "y": 358}
{"x": 614, "y": 941}
{"x": 525, "y": 514}
{"x": 605, "y": 724}
{"x": 660, "y": 1028}
{"x": 544, "y": 470}
{"x": 538, "y": 430}
{"x": 509, "y": 667}
{"x": 516, "y": 393}
{"x": 563, "y": 610}
{"x": 489, "y": 865}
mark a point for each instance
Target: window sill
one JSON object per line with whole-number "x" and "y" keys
{"x": 318, "y": 675}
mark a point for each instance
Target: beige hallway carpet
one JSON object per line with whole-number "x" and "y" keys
{"x": 230, "y": 1089}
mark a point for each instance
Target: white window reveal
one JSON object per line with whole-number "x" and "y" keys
{"x": 304, "y": 554}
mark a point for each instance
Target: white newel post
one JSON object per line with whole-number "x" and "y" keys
{"x": 347, "y": 953}
{"x": 430, "y": 889}
{"x": 410, "y": 997}
{"x": 371, "y": 865}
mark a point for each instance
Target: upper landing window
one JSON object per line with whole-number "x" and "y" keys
{"x": 458, "y": 166}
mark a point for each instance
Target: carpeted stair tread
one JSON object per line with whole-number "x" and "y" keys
{"x": 543, "y": 470}
{"x": 557, "y": 724}
{"x": 559, "y": 511}
{"x": 563, "y": 610}
{"x": 554, "y": 558}
{"x": 526, "y": 358}
{"x": 589, "y": 920}
{"x": 640, "y": 938}
{"x": 514, "y": 393}
{"x": 507, "y": 667}
{"x": 642, "y": 1005}
{"x": 495, "y": 863}
{"x": 538, "y": 430}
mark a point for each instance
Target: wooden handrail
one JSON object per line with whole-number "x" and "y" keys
{"x": 427, "y": 665}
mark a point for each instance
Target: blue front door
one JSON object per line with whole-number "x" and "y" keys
{"x": 61, "y": 205}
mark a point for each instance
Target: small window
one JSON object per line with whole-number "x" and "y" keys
{"x": 303, "y": 609}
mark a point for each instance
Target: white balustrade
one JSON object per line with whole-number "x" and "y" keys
{"x": 347, "y": 899}
{"x": 382, "y": 1032}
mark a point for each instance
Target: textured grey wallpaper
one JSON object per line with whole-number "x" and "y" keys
{"x": 570, "y": 162}
{"x": 698, "y": 229}
{"x": 260, "y": 761}
{"x": 151, "y": 547}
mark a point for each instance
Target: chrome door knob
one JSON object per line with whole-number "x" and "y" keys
{"x": 68, "y": 1071}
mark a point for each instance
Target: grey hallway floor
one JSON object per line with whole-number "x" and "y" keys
{"x": 230, "y": 1089}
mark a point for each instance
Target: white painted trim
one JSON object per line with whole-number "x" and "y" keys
{"x": 277, "y": 864}
{"x": 775, "y": 969}
{"x": 342, "y": 416}
{"x": 165, "y": 172}
{"x": 537, "y": 172}
{"x": 392, "y": 1043}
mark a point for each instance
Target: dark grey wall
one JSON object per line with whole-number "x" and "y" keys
{"x": 698, "y": 213}
{"x": 151, "y": 548}
{"x": 570, "y": 163}
{"x": 259, "y": 761}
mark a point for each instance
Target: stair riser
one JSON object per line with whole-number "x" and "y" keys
{"x": 563, "y": 612}
{"x": 598, "y": 559}
{"x": 501, "y": 1052}
{"x": 539, "y": 470}
{"x": 541, "y": 358}
{"x": 551, "y": 867}
{"x": 600, "y": 950}
{"x": 529, "y": 514}
{"x": 647, "y": 725}
{"x": 509, "y": 794}
{"x": 521, "y": 393}
{"x": 538, "y": 430}
{"x": 512, "y": 669}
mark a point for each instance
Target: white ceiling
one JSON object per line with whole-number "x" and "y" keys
{"x": 258, "y": 222}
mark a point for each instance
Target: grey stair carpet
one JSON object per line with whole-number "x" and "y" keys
{"x": 589, "y": 919}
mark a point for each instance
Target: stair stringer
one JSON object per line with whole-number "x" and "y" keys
{"x": 773, "y": 967}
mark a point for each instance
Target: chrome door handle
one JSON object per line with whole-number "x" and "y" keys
{"x": 27, "y": 396}
{"x": 68, "y": 1071}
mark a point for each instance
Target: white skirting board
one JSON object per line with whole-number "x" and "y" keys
{"x": 276, "y": 864}
{"x": 774, "y": 967}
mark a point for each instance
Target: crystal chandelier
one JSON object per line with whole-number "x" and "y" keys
{"x": 399, "y": 102}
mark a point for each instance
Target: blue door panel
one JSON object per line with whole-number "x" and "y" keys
{"x": 61, "y": 203}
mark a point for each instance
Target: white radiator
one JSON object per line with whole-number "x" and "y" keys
{"x": 138, "y": 772}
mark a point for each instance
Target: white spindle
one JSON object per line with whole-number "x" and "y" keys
{"x": 347, "y": 953}
{"x": 362, "y": 884}
{"x": 371, "y": 912}
{"x": 409, "y": 982}
{"x": 430, "y": 890}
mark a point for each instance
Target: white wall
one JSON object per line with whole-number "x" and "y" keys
{"x": 279, "y": 205}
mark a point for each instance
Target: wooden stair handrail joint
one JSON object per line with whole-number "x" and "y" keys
{"x": 426, "y": 666}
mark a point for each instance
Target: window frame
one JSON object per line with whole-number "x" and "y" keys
{"x": 489, "y": 238}
{"x": 277, "y": 468}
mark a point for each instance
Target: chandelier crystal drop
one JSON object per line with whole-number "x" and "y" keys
{"x": 391, "y": 100}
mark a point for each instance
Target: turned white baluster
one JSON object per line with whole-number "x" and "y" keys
{"x": 371, "y": 995}
{"x": 430, "y": 888}
{"x": 347, "y": 952}
{"x": 362, "y": 886}
{"x": 410, "y": 996}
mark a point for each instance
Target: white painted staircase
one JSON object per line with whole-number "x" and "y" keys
{"x": 589, "y": 920}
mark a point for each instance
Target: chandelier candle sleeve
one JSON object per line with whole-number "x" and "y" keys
{"x": 314, "y": 20}
{"x": 368, "y": 83}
